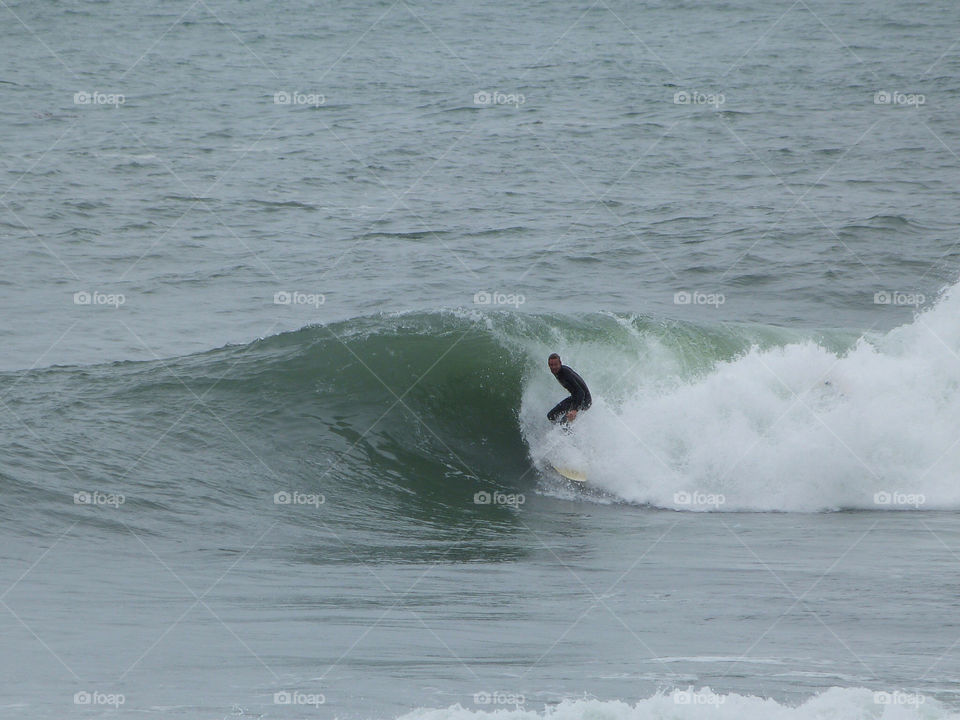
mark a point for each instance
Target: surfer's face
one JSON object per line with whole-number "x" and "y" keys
{"x": 554, "y": 365}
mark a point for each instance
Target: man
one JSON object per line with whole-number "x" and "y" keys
{"x": 566, "y": 410}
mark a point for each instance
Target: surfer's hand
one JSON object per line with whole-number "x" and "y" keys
{"x": 571, "y": 415}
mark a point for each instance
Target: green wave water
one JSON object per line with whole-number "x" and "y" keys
{"x": 390, "y": 414}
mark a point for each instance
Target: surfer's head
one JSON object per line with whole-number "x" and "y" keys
{"x": 554, "y": 362}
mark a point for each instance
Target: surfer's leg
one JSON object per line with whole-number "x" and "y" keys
{"x": 559, "y": 412}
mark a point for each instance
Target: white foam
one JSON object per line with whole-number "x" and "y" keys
{"x": 690, "y": 704}
{"x": 791, "y": 428}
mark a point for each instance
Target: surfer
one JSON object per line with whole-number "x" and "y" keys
{"x": 566, "y": 410}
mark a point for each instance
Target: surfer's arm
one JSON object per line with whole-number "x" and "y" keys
{"x": 577, "y": 390}
{"x": 578, "y": 397}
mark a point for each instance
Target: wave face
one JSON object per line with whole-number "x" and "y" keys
{"x": 390, "y": 418}
{"x": 414, "y": 413}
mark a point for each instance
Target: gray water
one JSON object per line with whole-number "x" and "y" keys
{"x": 199, "y": 198}
{"x": 562, "y": 602}
{"x": 452, "y": 190}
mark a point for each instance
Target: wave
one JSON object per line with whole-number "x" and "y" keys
{"x": 414, "y": 413}
{"x": 818, "y": 423}
{"x": 694, "y": 704}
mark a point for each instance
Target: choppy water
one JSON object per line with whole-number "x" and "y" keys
{"x": 736, "y": 220}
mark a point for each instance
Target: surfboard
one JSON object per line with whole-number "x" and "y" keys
{"x": 571, "y": 473}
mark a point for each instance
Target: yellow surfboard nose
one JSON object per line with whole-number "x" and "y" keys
{"x": 571, "y": 473}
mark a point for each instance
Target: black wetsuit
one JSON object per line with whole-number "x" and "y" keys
{"x": 579, "y": 395}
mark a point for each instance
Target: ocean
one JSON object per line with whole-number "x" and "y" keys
{"x": 279, "y": 285}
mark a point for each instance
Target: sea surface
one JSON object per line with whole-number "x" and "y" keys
{"x": 279, "y": 281}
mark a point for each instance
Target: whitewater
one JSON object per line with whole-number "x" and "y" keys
{"x": 688, "y": 703}
{"x": 797, "y": 426}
